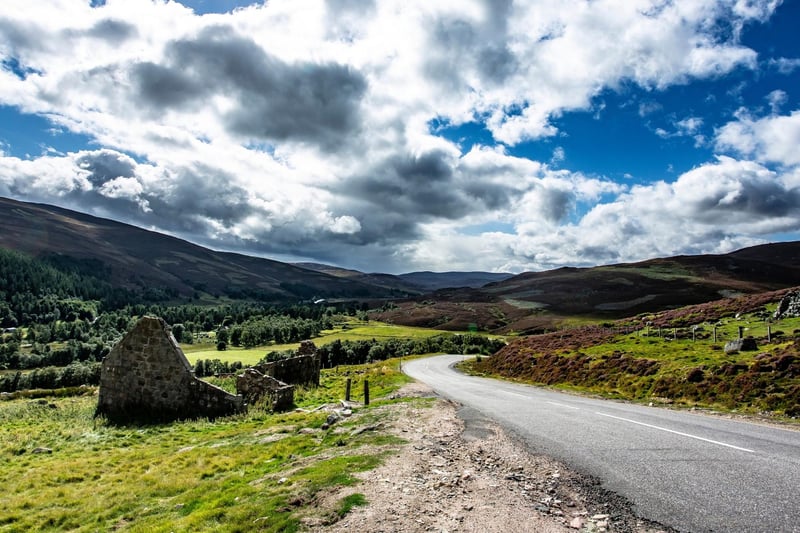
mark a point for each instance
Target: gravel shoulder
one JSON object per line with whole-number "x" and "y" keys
{"x": 460, "y": 472}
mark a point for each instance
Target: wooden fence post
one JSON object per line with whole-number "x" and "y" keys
{"x": 347, "y": 391}
{"x": 366, "y": 392}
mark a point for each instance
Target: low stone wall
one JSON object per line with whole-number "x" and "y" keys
{"x": 253, "y": 386}
{"x": 301, "y": 370}
{"x": 147, "y": 377}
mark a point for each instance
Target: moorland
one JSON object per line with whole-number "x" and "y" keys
{"x": 71, "y": 285}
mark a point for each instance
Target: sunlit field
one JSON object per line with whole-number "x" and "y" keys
{"x": 351, "y": 331}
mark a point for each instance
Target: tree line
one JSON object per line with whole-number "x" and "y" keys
{"x": 358, "y": 352}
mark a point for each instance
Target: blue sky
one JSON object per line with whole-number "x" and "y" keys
{"x": 399, "y": 135}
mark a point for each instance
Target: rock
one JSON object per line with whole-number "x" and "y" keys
{"x": 576, "y": 523}
{"x": 741, "y": 345}
{"x": 42, "y": 449}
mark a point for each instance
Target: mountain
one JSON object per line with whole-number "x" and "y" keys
{"x": 414, "y": 282}
{"x": 387, "y": 281}
{"x": 138, "y": 259}
{"x": 433, "y": 281}
{"x": 135, "y": 258}
{"x": 536, "y": 301}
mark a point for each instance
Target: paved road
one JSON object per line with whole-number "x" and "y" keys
{"x": 688, "y": 471}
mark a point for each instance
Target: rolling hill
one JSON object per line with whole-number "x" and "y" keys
{"x": 535, "y": 301}
{"x": 136, "y": 258}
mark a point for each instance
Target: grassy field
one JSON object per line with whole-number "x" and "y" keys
{"x": 351, "y": 331}
{"x": 61, "y": 469}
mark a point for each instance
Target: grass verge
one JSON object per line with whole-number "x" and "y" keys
{"x": 61, "y": 469}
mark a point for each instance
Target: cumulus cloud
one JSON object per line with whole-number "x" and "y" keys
{"x": 771, "y": 139}
{"x": 267, "y": 98}
{"x": 303, "y": 128}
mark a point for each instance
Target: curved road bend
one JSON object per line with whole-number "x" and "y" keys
{"x": 687, "y": 471}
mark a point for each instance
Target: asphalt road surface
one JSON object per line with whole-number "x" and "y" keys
{"x": 685, "y": 470}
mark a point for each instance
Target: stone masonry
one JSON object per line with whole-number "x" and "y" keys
{"x": 789, "y": 306}
{"x": 255, "y": 387}
{"x": 147, "y": 377}
{"x": 301, "y": 370}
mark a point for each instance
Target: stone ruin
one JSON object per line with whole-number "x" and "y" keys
{"x": 147, "y": 377}
{"x": 255, "y": 387}
{"x": 276, "y": 379}
{"x": 300, "y": 370}
{"x": 789, "y": 306}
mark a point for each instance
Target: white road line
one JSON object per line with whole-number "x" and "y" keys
{"x": 515, "y": 394}
{"x": 564, "y": 405}
{"x": 676, "y": 432}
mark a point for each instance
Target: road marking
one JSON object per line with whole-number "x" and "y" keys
{"x": 676, "y": 432}
{"x": 515, "y": 394}
{"x": 564, "y": 405}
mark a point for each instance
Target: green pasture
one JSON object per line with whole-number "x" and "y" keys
{"x": 61, "y": 469}
{"x": 352, "y": 331}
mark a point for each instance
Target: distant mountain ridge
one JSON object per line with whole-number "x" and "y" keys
{"x": 434, "y": 281}
{"x": 421, "y": 282}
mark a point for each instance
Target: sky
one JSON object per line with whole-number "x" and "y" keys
{"x": 406, "y": 135}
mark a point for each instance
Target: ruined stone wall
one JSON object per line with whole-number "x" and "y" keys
{"x": 255, "y": 386}
{"x": 301, "y": 370}
{"x": 789, "y": 306}
{"x": 147, "y": 377}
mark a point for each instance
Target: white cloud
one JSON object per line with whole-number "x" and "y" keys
{"x": 302, "y": 127}
{"x": 785, "y": 65}
{"x": 776, "y": 99}
{"x": 772, "y": 139}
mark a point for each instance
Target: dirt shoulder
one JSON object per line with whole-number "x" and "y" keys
{"x": 472, "y": 477}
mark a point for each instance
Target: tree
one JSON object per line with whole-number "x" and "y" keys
{"x": 178, "y": 331}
